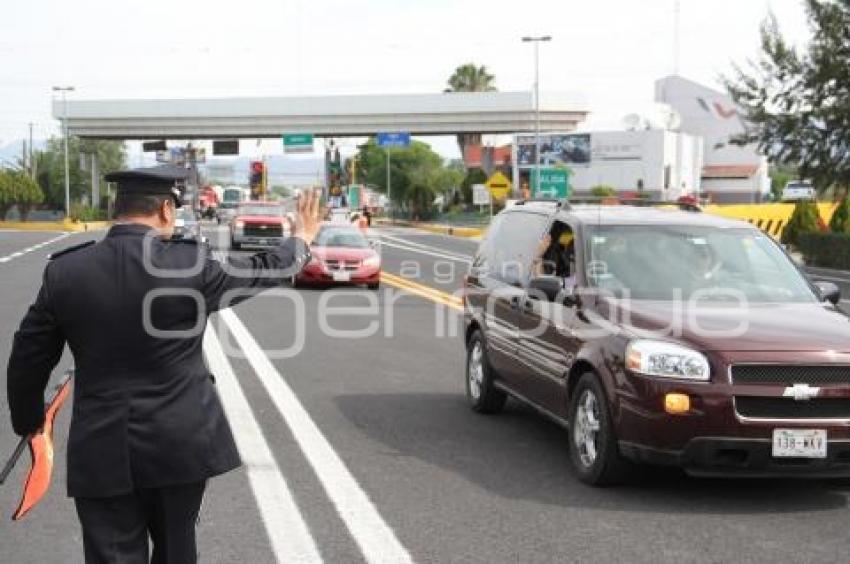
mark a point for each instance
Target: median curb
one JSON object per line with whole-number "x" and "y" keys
{"x": 73, "y": 226}
{"x": 466, "y": 232}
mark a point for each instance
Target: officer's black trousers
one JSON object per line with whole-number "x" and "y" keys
{"x": 116, "y": 529}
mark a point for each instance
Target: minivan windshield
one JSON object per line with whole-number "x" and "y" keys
{"x": 691, "y": 262}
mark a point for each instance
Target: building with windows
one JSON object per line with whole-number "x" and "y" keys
{"x": 731, "y": 173}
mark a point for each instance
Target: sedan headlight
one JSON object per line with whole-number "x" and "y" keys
{"x": 372, "y": 261}
{"x": 239, "y": 224}
{"x": 666, "y": 360}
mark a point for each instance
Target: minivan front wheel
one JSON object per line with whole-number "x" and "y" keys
{"x": 593, "y": 440}
{"x": 483, "y": 396}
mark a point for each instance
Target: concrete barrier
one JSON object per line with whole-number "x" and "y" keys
{"x": 55, "y": 225}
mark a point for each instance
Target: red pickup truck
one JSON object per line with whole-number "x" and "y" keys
{"x": 258, "y": 224}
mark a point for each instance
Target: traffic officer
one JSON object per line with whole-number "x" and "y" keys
{"x": 148, "y": 428}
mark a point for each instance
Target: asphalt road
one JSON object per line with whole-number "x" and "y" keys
{"x": 362, "y": 449}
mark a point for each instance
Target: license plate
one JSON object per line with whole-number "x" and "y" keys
{"x": 342, "y": 276}
{"x": 799, "y": 443}
{"x": 263, "y": 242}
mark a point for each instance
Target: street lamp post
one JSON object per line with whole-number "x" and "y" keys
{"x": 536, "y": 40}
{"x": 389, "y": 189}
{"x": 64, "y": 90}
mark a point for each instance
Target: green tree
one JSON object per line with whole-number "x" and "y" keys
{"x": 474, "y": 176}
{"x": 840, "y": 222}
{"x": 26, "y": 193}
{"x": 7, "y": 193}
{"x": 470, "y": 78}
{"x": 50, "y": 166}
{"x": 417, "y": 172}
{"x": 805, "y": 219}
{"x": 780, "y": 176}
{"x": 797, "y": 103}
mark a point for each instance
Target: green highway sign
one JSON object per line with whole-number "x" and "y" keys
{"x": 554, "y": 183}
{"x": 297, "y": 142}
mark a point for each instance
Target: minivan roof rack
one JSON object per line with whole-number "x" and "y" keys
{"x": 568, "y": 203}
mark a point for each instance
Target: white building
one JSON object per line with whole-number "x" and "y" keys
{"x": 664, "y": 164}
{"x": 731, "y": 173}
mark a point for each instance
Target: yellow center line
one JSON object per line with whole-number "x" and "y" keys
{"x": 422, "y": 290}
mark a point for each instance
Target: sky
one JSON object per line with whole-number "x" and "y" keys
{"x": 607, "y": 52}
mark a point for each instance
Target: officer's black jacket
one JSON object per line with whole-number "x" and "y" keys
{"x": 145, "y": 412}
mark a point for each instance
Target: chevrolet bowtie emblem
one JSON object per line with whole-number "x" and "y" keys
{"x": 801, "y": 392}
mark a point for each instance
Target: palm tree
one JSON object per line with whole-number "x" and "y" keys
{"x": 470, "y": 78}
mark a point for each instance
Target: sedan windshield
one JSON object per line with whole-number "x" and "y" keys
{"x": 260, "y": 210}
{"x": 687, "y": 262}
{"x": 341, "y": 237}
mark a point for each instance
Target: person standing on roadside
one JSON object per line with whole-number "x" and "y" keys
{"x": 148, "y": 429}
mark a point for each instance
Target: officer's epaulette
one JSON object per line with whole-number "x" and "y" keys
{"x": 57, "y": 254}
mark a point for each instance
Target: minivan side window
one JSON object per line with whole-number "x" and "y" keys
{"x": 510, "y": 248}
{"x": 484, "y": 255}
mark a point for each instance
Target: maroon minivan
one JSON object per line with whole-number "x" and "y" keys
{"x": 660, "y": 336}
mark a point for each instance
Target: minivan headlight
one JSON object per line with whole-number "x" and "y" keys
{"x": 666, "y": 360}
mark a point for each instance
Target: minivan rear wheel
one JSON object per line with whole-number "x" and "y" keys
{"x": 593, "y": 440}
{"x": 482, "y": 394}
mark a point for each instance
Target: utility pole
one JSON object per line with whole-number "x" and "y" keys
{"x": 32, "y": 159}
{"x": 64, "y": 90}
{"x": 537, "y": 41}
{"x": 677, "y": 12}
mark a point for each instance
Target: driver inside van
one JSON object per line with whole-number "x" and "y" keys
{"x": 556, "y": 256}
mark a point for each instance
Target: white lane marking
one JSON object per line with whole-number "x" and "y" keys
{"x": 401, "y": 241}
{"x": 288, "y": 534}
{"x": 373, "y": 535}
{"x": 427, "y": 252}
{"x": 22, "y": 252}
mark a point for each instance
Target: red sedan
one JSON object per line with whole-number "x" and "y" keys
{"x": 341, "y": 255}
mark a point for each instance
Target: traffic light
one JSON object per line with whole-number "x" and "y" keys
{"x": 258, "y": 180}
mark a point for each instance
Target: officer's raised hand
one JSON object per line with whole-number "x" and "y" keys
{"x": 307, "y": 220}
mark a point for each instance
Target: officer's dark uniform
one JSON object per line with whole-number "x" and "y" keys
{"x": 148, "y": 428}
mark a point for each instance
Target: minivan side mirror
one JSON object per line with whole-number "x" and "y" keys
{"x": 828, "y": 291}
{"x": 552, "y": 287}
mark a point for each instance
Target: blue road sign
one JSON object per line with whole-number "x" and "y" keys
{"x": 394, "y": 139}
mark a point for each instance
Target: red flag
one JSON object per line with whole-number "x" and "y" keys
{"x": 41, "y": 453}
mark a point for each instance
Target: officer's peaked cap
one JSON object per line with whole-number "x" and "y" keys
{"x": 165, "y": 180}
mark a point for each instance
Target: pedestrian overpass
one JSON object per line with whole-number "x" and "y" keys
{"x": 323, "y": 116}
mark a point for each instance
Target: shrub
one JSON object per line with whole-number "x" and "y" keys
{"x": 26, "y": 192}
{"x": 840, "y": 222}
{"x": 81, "y": 212}
{"x": 603, "y": 191}
{"x": 805, "y": 219}
{"x": 7, "y": 198}
{"x": 828, "y": 250}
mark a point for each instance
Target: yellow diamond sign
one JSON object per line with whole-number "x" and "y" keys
{"x": 499, "y": 185}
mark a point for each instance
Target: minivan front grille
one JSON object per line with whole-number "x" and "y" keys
{"x": 787, "y": 374}
{"x": 787, "y": 408}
